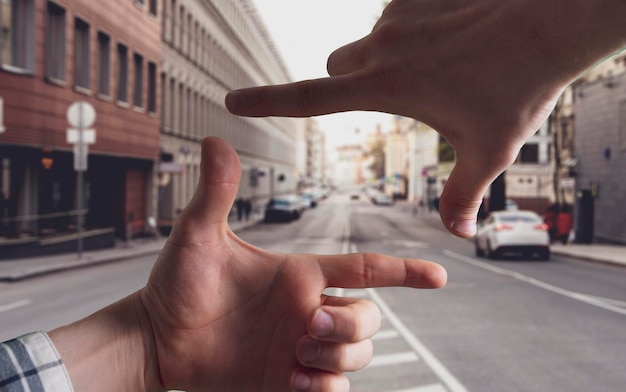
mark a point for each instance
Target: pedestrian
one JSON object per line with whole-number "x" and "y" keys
{"x": 564, "y": 223}
{"x": 247, "y": 208}
{"x": 549, "y": 218}
{"x": 484, "y": 73}
{"x": 213, "y": 315}
{"x": 239, "y": 206}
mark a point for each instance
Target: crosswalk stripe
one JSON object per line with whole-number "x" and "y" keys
{"x": 386, "y": 334}
{"x": 393, "y": 359}
{"x": 425, "y": 388}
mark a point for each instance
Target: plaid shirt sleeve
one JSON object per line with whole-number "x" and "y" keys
{"x": 31, "y": 363}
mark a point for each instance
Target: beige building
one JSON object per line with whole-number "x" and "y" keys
{"x": 209, "y": 48}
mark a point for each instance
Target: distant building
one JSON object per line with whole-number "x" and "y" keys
{"x": 54, "y": 53}
{"x": 348, "y": 166}
{"x": 315, "y": 171}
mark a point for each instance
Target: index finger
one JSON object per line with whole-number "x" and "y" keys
{"x": 301, "y": 99}
{"x": 362, "y": 270}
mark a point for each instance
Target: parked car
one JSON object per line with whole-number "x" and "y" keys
{"x": 381, "y": 199}
{"x": 283, "y": 209}
{"x": 309, "y": 199}
{"x": 504, "y": 232}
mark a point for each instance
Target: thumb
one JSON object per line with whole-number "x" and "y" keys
{"x": 220, "y": 172}
{"x": 460, "y": 201}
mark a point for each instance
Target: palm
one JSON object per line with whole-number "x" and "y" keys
{"x": 266, "y": 296}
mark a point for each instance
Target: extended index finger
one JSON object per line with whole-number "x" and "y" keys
{"x": 301, "y": 99}
{"x": 361, "y": 270}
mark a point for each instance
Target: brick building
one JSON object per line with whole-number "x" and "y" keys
{"x": 54, "y": 53}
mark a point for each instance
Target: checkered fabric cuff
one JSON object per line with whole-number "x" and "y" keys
{"x": 31, "y": 364}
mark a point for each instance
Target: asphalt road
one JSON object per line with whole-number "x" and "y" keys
{"x": 508, "y": 325}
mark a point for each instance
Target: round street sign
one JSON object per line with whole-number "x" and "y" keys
{"x": 78, "y": 109}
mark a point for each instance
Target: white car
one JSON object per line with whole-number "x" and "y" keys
{"x": 505, "y": 232}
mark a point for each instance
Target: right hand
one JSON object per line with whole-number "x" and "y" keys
{"x": 485, "y": 74}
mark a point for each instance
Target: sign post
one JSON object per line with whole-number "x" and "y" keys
{"x": 81, "y": 115}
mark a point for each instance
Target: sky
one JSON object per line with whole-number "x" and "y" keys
{"x": 305, "y": 33}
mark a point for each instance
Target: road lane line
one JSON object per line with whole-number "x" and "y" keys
{"x": 433, "y": 363}
{"x": 538, "y": 283}
{"x": 393, "y": 359}
{"x": 15, "y": 305}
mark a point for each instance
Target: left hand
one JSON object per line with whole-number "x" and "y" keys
{"x": 228, "y": 316}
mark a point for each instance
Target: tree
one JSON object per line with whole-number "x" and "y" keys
{"x": 377, "y": 153}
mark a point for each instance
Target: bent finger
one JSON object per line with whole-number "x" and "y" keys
{"x": 335, "y": 357}
{"x": 362, "y": 270}
{"x": 345, "y": 320}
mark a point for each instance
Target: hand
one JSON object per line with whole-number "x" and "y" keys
{"x": 485, "y": 74}
{"x": 228, "y": 316}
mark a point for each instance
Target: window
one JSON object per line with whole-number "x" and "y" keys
{"x": 138, "y": 81}
{"x": 153, "y": 7}
{"x": 55, "y": 42}
{"x": 122, "y": 73}
{"x": 17, "y": 44}
{"x": 152, "y": 93}
{"x": 104, "y": 61}
{"x": 81, "y": 53}
{"x": 529, "y": 153}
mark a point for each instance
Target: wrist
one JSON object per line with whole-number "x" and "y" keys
{"x": 112, "y": 349}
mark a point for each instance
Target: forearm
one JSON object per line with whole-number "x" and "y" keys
{"x": 111, "y": 350}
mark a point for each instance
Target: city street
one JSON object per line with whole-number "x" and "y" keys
{"x": 506, "y": 325}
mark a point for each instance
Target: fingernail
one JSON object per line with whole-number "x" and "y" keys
{"x": 301, "y": 382}
{"x": 322, "y": 324}
{"x": 467, "y": 228}
{"x": 309, "y": 351}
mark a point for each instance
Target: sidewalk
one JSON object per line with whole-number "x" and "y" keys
{"x": 612, "y": 254}
{"x": 19, "y": 269}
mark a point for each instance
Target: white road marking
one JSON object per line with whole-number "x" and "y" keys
{"x": 425, "y": 388}
{"x": 419, "y": 350}
{"x": 386, "y": 334}
{"x": 433, "y": 363}
{"x": 595, "y": 301}
{"x": 393, "y": 359}
{"x": 15, "y": 305}
{"x": 360, "y": 293}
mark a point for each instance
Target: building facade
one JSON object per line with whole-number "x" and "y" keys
{"x": 209, "y": 48}
{"x": 600, "y": 151}
{"x": 55, "y": 53}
